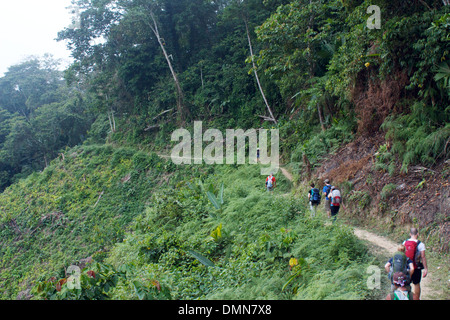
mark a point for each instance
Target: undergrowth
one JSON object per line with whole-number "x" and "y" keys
{"x": 243, "y": 250}
{"x": 158, "y": 233}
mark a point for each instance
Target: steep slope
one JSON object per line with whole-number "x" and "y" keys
{"x": 140, "y": 229}
{"x": 383, "y": 247}
{"x": 378, "y": 194}
{"x": 80, "y": 205}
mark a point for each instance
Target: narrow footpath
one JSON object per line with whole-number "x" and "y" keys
{"x": 382, "y": 246}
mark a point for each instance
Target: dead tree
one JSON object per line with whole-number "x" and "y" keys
{"x": 271, "y": 118}
{"x": 180, "y": 96}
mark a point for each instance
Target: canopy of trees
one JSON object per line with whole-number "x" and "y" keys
{"x": 143, "y": 66}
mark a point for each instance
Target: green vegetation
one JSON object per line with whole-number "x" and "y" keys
{"x": 78, "y": 150}
{"x": 73, "y": 209}
{"x": 39, "y": 115}
{"x": 186, "y": 244}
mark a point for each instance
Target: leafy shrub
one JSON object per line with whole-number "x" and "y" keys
{"x": 420, "y": 136}
{"x": 362, "y": 198}
{"x": 319, "y": 144}
{"x": 387, "y": 191}
{"x": 244, "y": 252}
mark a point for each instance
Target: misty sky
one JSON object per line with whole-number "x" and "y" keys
{"x": 29, "y": 27}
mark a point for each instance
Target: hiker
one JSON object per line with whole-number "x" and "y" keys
{"x": 400, "y": 263}
{"x": 271, "y": 182}
{"x": 326, "y": 190}
{"x": 400, "y": 291}
{"x": 335, "y": 202}
{"x": 257, "y": 155}
{"x": 415, "y": 250}
{"x": 314, "y": 199}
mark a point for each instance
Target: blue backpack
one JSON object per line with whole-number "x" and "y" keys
{"x": 315, "y": 196}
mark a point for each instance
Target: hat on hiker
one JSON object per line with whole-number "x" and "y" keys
{"x": 327, "y": 181}
{"x": 333, "y": 187}
{"x": 399, "y": 278}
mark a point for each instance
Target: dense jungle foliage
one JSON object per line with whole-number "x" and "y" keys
{"x": 78, "y": 149}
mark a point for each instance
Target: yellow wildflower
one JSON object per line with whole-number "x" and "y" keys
{"x": 293, "y": 262}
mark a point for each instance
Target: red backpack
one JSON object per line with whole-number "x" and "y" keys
{"x": 410, "y": 250}
{"x": 336, "y": 201}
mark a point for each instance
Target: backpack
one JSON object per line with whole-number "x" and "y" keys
{"x": 399, "y": 264}
{"x": 270, "y": 182}
{"x": 401, "y": 295}
{"x": 335, "y": 201}
{"x": 327, "y": 190}
{"x": 410, "y": 250}
{"x": 315, "y": 195}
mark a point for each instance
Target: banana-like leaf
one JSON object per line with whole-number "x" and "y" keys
{"x": 213, "y": 200}
{"x": 221, "y": 194}
{"x": 203, "y": 260}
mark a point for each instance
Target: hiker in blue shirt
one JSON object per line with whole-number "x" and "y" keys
{"x": 409, "y": 263}
{"x": 326, "y": 190}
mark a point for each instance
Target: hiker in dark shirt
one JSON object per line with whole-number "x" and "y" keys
{"x": 314, "y": 199}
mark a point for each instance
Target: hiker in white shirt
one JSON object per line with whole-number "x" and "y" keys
{"x": 418, "y": 258}
{"x": 335, "y": 204}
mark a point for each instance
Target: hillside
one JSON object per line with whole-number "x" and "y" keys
{"x": 76, "y": 207}
{"x": 88, "y": 184}
{"x": 388, "y": 197}
{"x": 179, "y": 238}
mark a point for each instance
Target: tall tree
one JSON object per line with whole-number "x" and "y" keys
{"x": 295, "y": 53}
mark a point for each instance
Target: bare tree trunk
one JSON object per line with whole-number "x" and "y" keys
{"x": 256, "y": 74}
{"x": 111, "y": 124}
{"x": 307, "y": 165}
{"x": 113, "y": 120}
{"x": 180, "y": 95}
{"x": 201, "y": 76}
{"x": 312, "y": 66}
{"x": 320, "y": 117}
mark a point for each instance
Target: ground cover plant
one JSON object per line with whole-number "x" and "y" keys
{"x": 220, "y": 237}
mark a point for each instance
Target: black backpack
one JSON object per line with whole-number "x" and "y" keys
{"x": 315, "y": 196}
{"x": 399, "y": 264}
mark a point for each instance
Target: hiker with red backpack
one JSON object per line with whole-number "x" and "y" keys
{"x": 415, "y": 250}
{"x": 271, "y": 182}
{"x": 335, "y": 202}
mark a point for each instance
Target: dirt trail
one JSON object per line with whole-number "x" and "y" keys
{"x": 287, "y": 174}
{"x": 382, "y": 245}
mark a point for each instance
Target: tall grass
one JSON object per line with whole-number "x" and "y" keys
{"x": 132, "y": 211}
{"x": 259, "y": 235}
